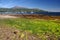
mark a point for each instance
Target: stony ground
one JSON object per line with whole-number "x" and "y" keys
{"x": 7, "y": 33}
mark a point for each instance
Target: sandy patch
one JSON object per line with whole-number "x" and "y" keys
{"x": 7, "y": 16}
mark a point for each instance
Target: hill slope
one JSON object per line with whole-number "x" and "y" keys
{"x": 19, "y": 9}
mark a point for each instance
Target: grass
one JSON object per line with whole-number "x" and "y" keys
{"x": 41, "y": 28}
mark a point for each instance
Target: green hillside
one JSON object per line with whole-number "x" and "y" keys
{"x": 19, "y": 9}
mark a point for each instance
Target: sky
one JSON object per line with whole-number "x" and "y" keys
{"x": 48, "y": 5}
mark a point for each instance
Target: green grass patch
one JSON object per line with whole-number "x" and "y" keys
{"x": 35, "y": 26}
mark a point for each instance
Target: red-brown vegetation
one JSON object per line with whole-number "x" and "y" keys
{"x": 37, "y": 16}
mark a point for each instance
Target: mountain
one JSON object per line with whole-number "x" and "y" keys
{"x": 19, "y": 9}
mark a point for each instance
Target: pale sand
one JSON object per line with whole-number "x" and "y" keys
{"x": 7, "y": 16}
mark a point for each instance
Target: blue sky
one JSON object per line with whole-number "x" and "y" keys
{"x": 49, "y": 5}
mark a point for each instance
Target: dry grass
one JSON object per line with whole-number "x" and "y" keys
{"x": 9, "y": 33}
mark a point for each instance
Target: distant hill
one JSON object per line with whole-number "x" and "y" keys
{"x": 19, "y": 9}
{"x": 23, "y": 10}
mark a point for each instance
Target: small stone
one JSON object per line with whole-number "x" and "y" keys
{"x": 15, "y": 32}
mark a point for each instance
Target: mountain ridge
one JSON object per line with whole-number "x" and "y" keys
{"x": 18, "y": 8}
